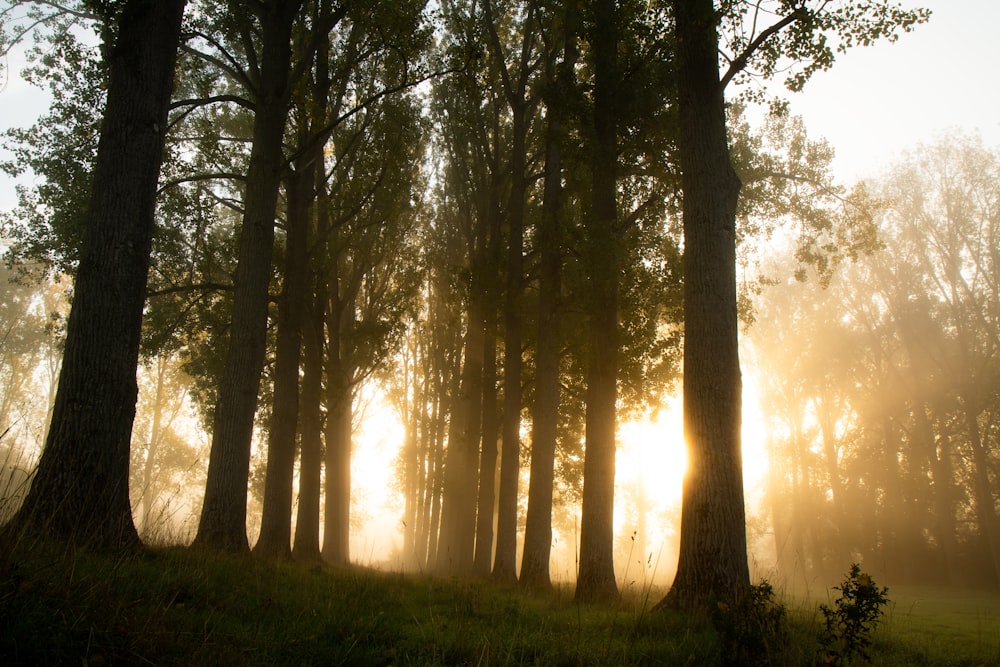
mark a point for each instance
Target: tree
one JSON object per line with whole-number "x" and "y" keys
{"x": 596, "y": 580}
{"x": 81, "y": 487}
{"x": 471, "y": 119}
{"x": 514, "y": 87}
{"x": 558, "y": 91}
{"x": 712, "y": 564}
{"x": 223, "y": 514}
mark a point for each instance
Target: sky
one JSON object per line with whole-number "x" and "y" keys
{"x": 879, "y": 101}
{"x": 875, "y": 103}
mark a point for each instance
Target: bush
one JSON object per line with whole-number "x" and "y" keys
{"x": 754, "y": 631}
{"x": 854, "y": 616}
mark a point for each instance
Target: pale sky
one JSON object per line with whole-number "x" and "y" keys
{"x": 873, "y": 104}
{"x": 881, "y": 100}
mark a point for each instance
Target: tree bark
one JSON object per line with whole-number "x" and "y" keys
{"x": 224, "y": 511}
{"x": 596, "y": 580}
{"x": 80, "y": 489}
{"x": 713, "y": 555}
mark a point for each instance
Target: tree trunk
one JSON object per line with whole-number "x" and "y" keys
{"x": 713, "y": 552}
{"x": 596, "y": 580}
{"x": 483, "y": 562}
{"x": 306, "y": 546}
{"x": 337, "y": 517}
{"x": 224, "y": 511}
{"x": 80, "y": 489}
{"x": 505, "y": 564}
{"x": 545, "y": 413}
{"x": 339, "y": 423}
{"x": 276, "y": 517}
{"x": 939, "y": 453}
{"x": 458, "y": 510}
{"x": 152, "y": 449}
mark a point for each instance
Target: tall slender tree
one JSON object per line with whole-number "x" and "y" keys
{"x": 559, "y": 90}
{"x": 223, "y": 514}
{"x": 514, "y": 86}
{"x": 81, "y": 487}
{"x": 596, "y": 580}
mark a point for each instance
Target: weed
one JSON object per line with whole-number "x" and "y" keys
{"x": 753, "y": 633}
{"x": 855, "y": 614}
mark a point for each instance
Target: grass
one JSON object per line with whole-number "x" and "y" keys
{"x": 60, "y": 605}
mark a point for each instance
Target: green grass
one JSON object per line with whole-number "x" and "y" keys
{"x": 59, "y": 605}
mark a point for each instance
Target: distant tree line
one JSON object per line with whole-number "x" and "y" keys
{"x": 883, "y": 385}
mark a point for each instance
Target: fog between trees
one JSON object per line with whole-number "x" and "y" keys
{"x": 440, "y": 248}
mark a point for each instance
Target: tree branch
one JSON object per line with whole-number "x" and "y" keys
{"x": 740, "y": 62}
{"x": 197, "y": 287}
{"x": 213, "y": 176}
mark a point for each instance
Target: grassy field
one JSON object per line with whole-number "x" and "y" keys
{"x": 59, "y": 605}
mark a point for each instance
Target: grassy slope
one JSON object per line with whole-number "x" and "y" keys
{"x": 62, "y": 606}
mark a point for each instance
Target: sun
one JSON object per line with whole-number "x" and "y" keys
{"x": 651, "y": 454}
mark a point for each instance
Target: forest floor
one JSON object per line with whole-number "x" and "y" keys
{"x": 61, "y": 605}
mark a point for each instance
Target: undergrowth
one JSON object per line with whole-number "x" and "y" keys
{"x": 172, "y": 606}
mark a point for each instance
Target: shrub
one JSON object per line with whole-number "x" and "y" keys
{"x": 854, "y": 616}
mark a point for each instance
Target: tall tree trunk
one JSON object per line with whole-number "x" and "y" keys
{"x": 339, "y": 423}
{"x": 306, "y": 545}
{"x": 224, "y": 511}
{"x": 841, "y": 545}
{"x": 938, "y": 447}
{"x": 545, "y": 413}
{"x": 80, "y": 489}
{"x": 483, "y": 562}
{"x": 411, "y": 404}
{"x": 455, "y": 551}
{"x": 438, "y": 527}
{"x": 276, "y": 518}
{"x": 505, "y": 564}
{"x": 337, "y": 517}
{"x": 713, "y": 551}
{"x": 596, "y": 580}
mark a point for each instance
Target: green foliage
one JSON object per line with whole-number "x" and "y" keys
{"x": 59, "y": 149}
{"x": 811, "y": 33}
{"x": 855, "y": 614}
{"x": 753, "y": 632}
